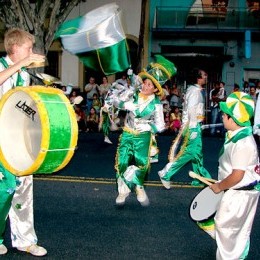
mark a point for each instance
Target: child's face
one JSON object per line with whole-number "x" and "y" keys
{"x": 24, "y": 50}
{"x": 228, "y": 122}
{"x": 148, "y": 87}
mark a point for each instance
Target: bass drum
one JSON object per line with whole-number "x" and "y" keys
{"x": 38, "y": 132}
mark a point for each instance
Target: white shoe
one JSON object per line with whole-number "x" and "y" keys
{"x": 154, "y": 160}
{"x": 107, "y": 140}
{"x": 141, "y": 196}
{"x": 34, "y": 250}
{"x": 3, "y": 249}
{"x": 166, "y": 184}
{"x": 120, "y": 200}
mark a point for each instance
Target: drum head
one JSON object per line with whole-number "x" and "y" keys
{"x": 205, "y": 204}
{"x": 21, "y": 130}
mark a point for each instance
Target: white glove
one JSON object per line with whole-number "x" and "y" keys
{"x": 143, "y": 128}
{"x": 129, "y": 72}
{"x": 256, "y": 130}
{"x": 129, "y": 105}
{"x": 126, "y": 95}
{"x": 193, "y": 135}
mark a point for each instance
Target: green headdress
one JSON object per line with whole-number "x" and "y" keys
{"x": 159, "y": 72}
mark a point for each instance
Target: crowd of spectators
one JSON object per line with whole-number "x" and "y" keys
{"x": 88, "y": 111}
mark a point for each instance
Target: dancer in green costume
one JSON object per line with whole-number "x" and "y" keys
{"x": 193, "y": 116}
{"x": 144, "y": 117}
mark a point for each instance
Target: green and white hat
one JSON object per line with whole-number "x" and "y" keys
{"x": 159, "y": 72}
{"x": 240, "y": 107}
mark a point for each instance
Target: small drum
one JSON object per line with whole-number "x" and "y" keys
{"x": 38, "y": 132}
{"x": 205, "y": 204}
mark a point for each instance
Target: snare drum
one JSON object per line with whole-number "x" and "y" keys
{"x": 205, "y": 204}
{"x": 38, "y": 130}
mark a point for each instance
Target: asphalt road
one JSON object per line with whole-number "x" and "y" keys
{"x": 76, "y": 217}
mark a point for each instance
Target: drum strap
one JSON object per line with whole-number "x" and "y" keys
{"x": 19, "y": 81}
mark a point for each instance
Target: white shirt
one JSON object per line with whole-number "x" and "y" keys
{"x": 193, "y": 107}
{"x": 241, "y": 155}
{"x": 11, "y": 81}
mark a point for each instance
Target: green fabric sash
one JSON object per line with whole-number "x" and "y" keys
{"x": 247, "y": 131}
{"x": 19, "y": 81}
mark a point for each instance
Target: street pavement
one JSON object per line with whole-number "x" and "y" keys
{"x": 76, "y": 216}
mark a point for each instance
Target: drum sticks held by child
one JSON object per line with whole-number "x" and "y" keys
{"x": 207, "y": 181}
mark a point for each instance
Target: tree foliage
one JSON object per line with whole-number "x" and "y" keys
{"x": 39, "y": 17}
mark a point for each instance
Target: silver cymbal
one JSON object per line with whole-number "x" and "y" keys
{"x": 38, "y": 64}
{"x": 48, "y": 79}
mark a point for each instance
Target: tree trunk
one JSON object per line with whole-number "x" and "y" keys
{"x": 141, "y": 36}
{"x": 39, "y": 17}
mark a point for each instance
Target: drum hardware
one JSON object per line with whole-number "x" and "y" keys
{"x": 48, "y": 80}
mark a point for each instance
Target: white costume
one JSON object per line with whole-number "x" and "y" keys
{"x": 193, "y": 115}
{"x": 257, "y": 118}
{"x": 21, "y": 212}
{"x": 234, "y": 218}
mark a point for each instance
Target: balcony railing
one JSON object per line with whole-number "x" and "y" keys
{"x": 207, "y": 17}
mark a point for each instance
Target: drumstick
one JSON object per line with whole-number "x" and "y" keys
{"x": 207, "y": 181}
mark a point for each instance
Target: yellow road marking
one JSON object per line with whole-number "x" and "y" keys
{"x": 105, "y": 181}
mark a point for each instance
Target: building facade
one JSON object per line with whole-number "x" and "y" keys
{"x": 221, "y": 37}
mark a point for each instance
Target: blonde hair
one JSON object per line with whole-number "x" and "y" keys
{"x": 16, "y": 36}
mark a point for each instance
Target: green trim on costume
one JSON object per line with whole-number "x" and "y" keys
{"x": 246, "y": 250}
{"x": 148, "y": 109}
{"x": 207, "y": 225}
{"x": 154, "y": 128}
{"x": 247, "y": 131}
{"x": 121, "y": 105}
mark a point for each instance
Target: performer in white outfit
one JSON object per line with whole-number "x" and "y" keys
{"x": 191, "y": 149}
{"x": 238, "y": 176}
{"x": 17, "y": 192}
{"x": 257, "y": 117}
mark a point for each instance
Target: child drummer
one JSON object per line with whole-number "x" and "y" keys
{"x": 16, "y": 193}
{"x": 238, "y": 175}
